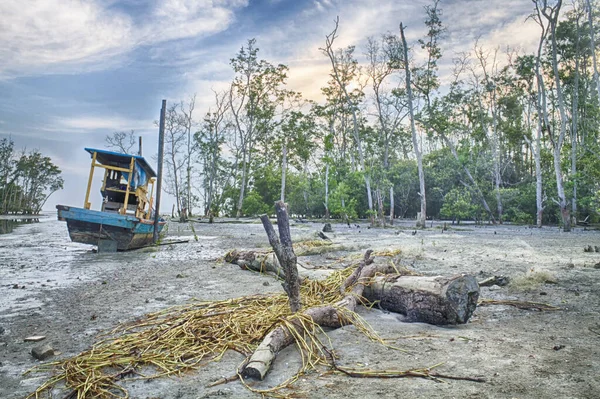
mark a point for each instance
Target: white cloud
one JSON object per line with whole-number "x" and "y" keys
{"x": 86, "y": 123}
{"x": 42, "y": 36}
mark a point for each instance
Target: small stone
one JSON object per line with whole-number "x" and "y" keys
{"x": 1, "y": 330}
{"x": 266, "y": 284}
{"x": 179, "y": 276}
{"x": 42, "y": 352}
{"x": 558, "y": 347}
{"x": 15, "y": 286}
{"x": 597, "y": 265}
{"x": 327, "y": 228}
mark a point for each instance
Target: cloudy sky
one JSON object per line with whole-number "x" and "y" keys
{"x": 74, "y": 71}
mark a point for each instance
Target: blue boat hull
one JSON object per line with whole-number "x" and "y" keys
{"x": 123, "y": 232}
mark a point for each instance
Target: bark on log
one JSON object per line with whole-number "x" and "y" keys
{"x": 435, "y": 300}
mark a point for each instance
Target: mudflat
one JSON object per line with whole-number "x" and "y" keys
{"x": 61, "y": 290}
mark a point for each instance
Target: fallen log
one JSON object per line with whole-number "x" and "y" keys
{"x": 258, "y": 261}
{"x": 429, "y": 299}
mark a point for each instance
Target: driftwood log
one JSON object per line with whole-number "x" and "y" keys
{"x": 430, "y": 299}
{"x": 258, "y": 261}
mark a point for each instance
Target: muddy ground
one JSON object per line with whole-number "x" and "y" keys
{"x": 50, "y": 286}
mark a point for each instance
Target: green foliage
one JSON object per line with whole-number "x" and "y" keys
{"x": 26, "y": 182}
{"x": 458, "y": 206}
{"x": 481, "y": 131}
{"x": 341, "y": 205}
{"x": 254, "y": 205}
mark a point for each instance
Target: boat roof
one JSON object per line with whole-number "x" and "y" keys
{"x": 121, "y": 160}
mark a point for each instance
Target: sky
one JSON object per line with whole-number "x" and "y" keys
{"x": 74, "y": 71}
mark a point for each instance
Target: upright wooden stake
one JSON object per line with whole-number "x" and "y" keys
{"x": 128, "y": 189}
{"x": 161, "y": 146}
{"x": 87, "y": 204}
{"x": 285, "y": 253}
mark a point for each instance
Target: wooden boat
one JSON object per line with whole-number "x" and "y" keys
{"x": 126, "y": 218}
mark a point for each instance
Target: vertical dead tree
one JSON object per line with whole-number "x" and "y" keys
{"x": 593, "y": 46}
{"x": 187, "y": 121}
{"x": 421, "y": 221}
{"x": 285, "y": 253}
{"x": 551, "y": 15}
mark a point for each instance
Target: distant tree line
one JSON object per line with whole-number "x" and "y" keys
{"x": 27, "y": 180}
{"x": 506, "y": 136}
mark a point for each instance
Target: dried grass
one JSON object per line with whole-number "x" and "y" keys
{"x": 184, "y": 338}
{"x": 532, "y": 280}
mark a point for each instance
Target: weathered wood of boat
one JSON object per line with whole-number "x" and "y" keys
{"x": 126, "y": 219}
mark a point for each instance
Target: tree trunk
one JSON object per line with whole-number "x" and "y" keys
{"x": 421, "y": 220}
{"x": 258, "y": 261}
{"x": 242, "y": 186}
{"x": 392, "y": 205}
{"x": 541, "y": 109}
{"x": 593, "y": 47}
{"x": 283, "y": 170}
{"x": 428, "y": 299}
{"x": 574, "y": 121}
{"x": 326, "y": 191}
{"x": 558, "y": 141}
{"x": 285, "y": 253}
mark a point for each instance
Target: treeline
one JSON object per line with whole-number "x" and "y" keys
{"x": 503, "y": 136}
{"x": 26, "y": 180}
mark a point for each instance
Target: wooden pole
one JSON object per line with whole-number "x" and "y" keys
{"x": 161, "y": 146}
{"x": 127, "y": 190}
{"x": 87, "y": 204}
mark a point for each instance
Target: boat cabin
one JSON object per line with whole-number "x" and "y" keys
{"x": 125, "y": 186}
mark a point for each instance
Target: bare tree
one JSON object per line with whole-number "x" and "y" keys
{"x": 390, "y": 108}
{"x": 343, "y": 68}
{"x": 413, "y": 129}
{"x": 187, "y": 122}
{"x": 551, "y": 13}
{"x": 593, "y": 46}
{"x": 487, "y": 85}
{"x": 209, "y": 140}
{"x": 175, "y": 142}
{"x": 121, "y": 141}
